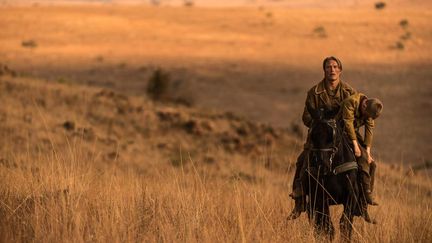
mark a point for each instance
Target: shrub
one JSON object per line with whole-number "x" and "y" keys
{"x": 188, "y": 3}
{"x": 404, "y": 23}
{"x": 380, "y": 5}
{"x": 155, "y": 2}
{"x": 158, "y": 85}
{"x": 29, "y": 43}
{"x": 400, "y": 45}
{"x": 320, "y": 31}
{"x": 406, "y": 36}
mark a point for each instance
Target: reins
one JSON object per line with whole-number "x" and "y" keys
{"x": 333, "y": 150}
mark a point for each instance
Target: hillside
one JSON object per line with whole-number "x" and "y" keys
{"x": 86, "y": 154}
{"x": 89, "y": 164}
{"x": 257, "y": 62}
{"x": 40, "y": 118}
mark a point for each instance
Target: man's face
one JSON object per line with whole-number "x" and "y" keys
{"x": 332, "y": 70}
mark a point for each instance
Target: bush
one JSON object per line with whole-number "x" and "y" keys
{"x": 380, "y": 5}
{"x": 188, "y": 3}
{"x": 405, "y": 36}
{"x": 155, "y": 2}
{"x": 5, "y": 70}
{"x": 400, "y": 45}
{"x": 157, "y": 88}
{"x": 404, "y": 23}
{"x": 29, "y": 43}
{"x": 320, "y": 31}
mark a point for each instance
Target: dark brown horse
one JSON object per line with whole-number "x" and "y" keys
{"x": 331, "y": 175}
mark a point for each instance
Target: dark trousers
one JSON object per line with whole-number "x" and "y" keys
{"x": 367, "y": 171}
{"x": 297, "y": 187}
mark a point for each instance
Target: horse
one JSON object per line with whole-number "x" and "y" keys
{"x": 331, "y": 175}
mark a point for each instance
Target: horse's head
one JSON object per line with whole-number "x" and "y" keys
{"x": 323, "y": 136}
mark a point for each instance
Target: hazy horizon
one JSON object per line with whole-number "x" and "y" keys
{"x": 237, "y": 3}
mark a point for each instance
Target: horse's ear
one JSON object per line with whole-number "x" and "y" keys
{"x": 331, "y": 113}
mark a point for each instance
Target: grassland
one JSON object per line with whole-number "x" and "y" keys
{"x": 69, "y": 200}
{"x": 88, "y": 164}
{"x": 85, "y": 155}
{"x": 258, "y": 62}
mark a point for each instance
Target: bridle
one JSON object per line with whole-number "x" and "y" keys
{"x": 334, "y": 147}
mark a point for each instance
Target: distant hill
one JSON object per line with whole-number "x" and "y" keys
{"x": 40, "y": 117}
{"x": 237, "y": 3}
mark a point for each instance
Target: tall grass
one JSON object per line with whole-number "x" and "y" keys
{"x": 58, "y": 186}
{"x": 67, "y": 196}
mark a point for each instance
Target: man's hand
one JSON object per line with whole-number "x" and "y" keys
{"x": 369, "y": 156}
{"x": 356, "y": 147}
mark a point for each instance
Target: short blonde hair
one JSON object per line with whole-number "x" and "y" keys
{"x": 374, "y": 107}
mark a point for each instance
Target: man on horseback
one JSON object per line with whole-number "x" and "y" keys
{"x": 357, "y": 111}
{"x": 329, "y": 93}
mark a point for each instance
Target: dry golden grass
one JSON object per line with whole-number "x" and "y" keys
{"x": 123, "y": 174}
{"x": 67, "y": 190}
{"x": 254, "y": 61}
{"x": 63, "y": 197}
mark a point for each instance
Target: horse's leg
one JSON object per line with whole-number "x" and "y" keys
{"x": 346, "y": 224}
{"x": 310, "y": 205}
{"x": 354, "y": 197}
{"x": 328, "y": 225}
{"x": 315, "y": 203}
{"x": 319, "y": 231}
{"x": 323, "y": 225}
{"x": 350, "y": 206}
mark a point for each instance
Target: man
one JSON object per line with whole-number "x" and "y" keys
{"x": 329, "y": 93}
{"x": 357, "y": 111}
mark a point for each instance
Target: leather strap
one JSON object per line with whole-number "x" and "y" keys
{"x": 345, "y": 167}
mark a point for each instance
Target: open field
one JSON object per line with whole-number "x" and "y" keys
{"x": 258, "y": 62}
{"x": 109, "y": 169}
{"x": 85, "y": 155}
{"x": 73, "y": 201}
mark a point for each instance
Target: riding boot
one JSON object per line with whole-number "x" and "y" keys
{"x": 366, "y": 184}
{"x": 299, "y": 207}
{"x": 298, "y": 194}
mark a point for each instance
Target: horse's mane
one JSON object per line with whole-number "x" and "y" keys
{"x": 322, "y": 113}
